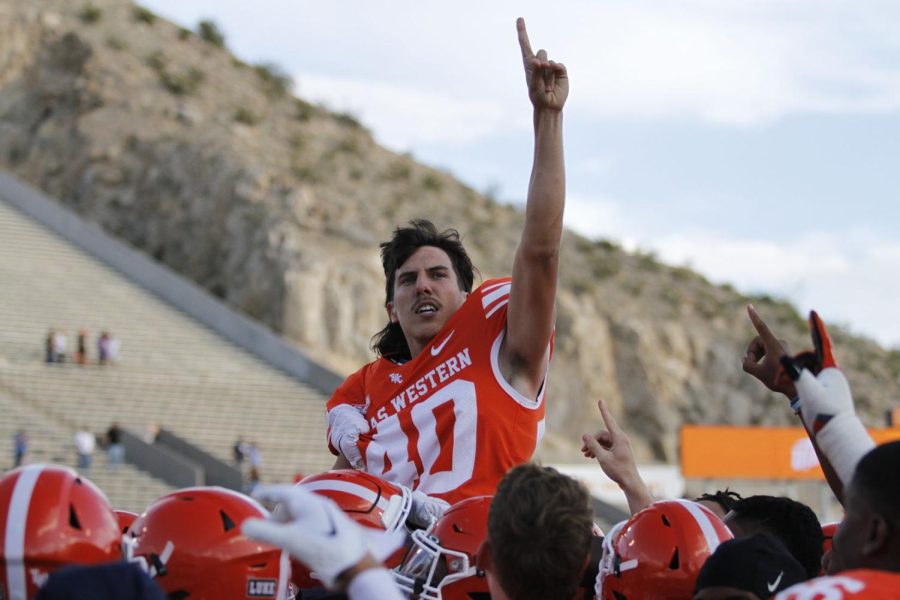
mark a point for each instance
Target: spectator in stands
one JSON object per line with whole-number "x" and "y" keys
{"x": 253, "y": 479}
{"x": 59, "y": 347}
{"x": 792, "y": 522}
{"x": 239, "y": 451}
{"x": 20, "y": 447}
{"x": 84, "y": 446}
{"x": 48, "y": 348}
{"x": 81, "y": 352}
{"x": 103, "y": 348}
{"x": 254, "y": 455}
{"x": 115, "y": 451}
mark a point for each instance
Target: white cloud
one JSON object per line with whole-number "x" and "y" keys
{"x": 403, "y": 115}
{"x": 455, "y": 66}
{"x": 735, "y": 63}
{"x": 849, "y": 277}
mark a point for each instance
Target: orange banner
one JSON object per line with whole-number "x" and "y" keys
{"x": 724, "y": 452}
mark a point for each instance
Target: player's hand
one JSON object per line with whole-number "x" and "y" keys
{"x": 611, "y": 449}
{"x": 347, "y": 423}
{"x": 826, "y": 395}
{"x": 762, "y": 357}
{"x": 426, "y": 509}
{"x": 311, "y": 528}
{"x": 548, "y": 81}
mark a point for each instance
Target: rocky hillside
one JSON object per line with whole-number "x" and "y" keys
{"x": 165, "y": 139}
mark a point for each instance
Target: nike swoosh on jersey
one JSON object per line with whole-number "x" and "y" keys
{"x": 774, "y": 585}
{"x": 435, "y": 350}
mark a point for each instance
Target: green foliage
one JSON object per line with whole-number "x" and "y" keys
{"x": 893, "y": 359}
{"x": 116, "y": 43}
{"x": 209, "y": 32}
{"x": 143, "y": 15}
{"x": 90, "y": 14}
{"x": 184, "y": 33}
{"x": 275, "y": 80}
{"x": 608, "y": 246}
{"x": 303, "y": 110}
{"x": 156, "y": 61}
{"x": 347, "y": 145}
{"x": 398, "y": 170}
{"x": 245, "y": 116}
{"x": 178, "y": 83}
{"x": 182, "y": 84}
{"x": 348, "y": 119}
{"x": 307, "y": 173}
{"x": 432, "y": 182}
{"x": 647, "y": 261}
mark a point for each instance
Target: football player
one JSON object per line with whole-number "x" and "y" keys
{"x": 456, "y": 396}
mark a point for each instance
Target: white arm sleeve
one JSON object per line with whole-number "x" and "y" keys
{"x": 374, "y": 584}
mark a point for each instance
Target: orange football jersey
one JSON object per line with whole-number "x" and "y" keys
{"x": 860, "y": 584}
{"x": 446, "y": 422}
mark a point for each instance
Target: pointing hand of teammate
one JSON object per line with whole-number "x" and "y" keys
{"x": 612, "y": 449}
{"x": 762, "y": 357}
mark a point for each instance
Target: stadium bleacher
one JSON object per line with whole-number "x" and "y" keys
{"x": 171, "y": 371}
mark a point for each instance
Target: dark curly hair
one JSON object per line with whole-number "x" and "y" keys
{"x": 792, "y": 522}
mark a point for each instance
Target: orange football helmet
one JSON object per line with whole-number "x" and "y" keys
{"x": 190, "y": 541}
{"x": 657, "y": 553}
{"x": 369, "y": 500}
{"x": 125, "y": 518}
{"x": 442, "y": 561}
{"x": 50, "y": 516}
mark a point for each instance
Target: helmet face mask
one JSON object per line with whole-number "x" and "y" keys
{"x": 429, "y": 567}
{"x": 441, "y": 564}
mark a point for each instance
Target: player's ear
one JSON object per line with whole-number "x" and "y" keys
{"x": 391, "y": 313}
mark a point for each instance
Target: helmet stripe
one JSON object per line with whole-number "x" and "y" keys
{"x": 284, "y": 567}
{"x": 347, "y": 488}
{"x": 16, "y": 519}
{"x": 704, "y": 522}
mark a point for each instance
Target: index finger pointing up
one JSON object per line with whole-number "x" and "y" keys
{"x": 608, "y": 419}
{"x": 524, "y": 44}
{"x": 761, "y": 328}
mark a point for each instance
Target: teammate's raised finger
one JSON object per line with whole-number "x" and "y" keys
{"x": 608, "y": 419}
{"x": 762, "y": 329}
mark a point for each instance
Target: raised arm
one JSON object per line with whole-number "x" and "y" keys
{"x": 530, "y": 314}
{"x": 762, "y": 362}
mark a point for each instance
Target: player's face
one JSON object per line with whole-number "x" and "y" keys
{"x": 426, "y": 294}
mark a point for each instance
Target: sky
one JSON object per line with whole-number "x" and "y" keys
{"x": 755, "y": 142}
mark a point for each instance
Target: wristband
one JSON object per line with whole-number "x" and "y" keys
{"x": 796, "y": 403}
